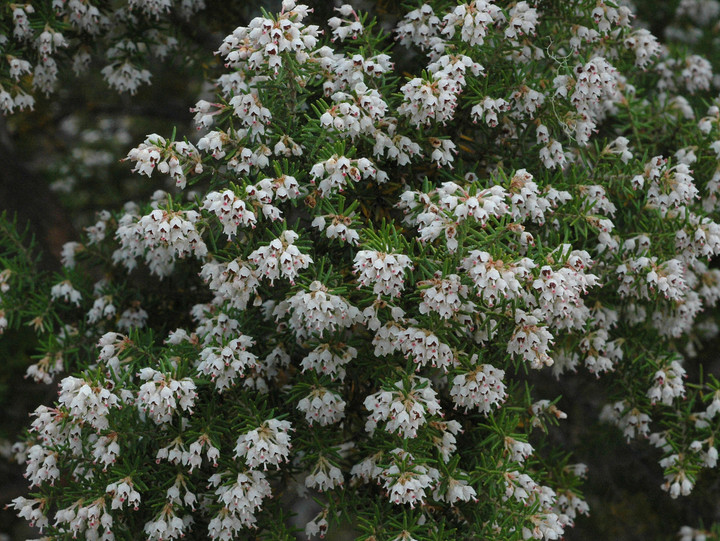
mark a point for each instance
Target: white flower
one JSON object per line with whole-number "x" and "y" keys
{"x": 339, "y": 228}
{"x": 519, "y": 451}
{"x": 46, "y": 368}
{"x": 235, "y": 282}
{"x": 406, "y": 481}
{"x": 317, "y": 526}
{"x": 527, "y": 202}
{"x": 167, "y": 157}
{"x": 558, "y": 293}
{"x": 630, "y": 420}
{"x": 259, "y": 45}
{"x": 494, "y": 279}
{"x": 595, "y": 200}
{"x": 425, "y": 348}
{"x": 527, "y": 100}
{"x": 677, "y": 483}
{"x": 570, "y": 505}
{"x": 161, "y": 236}
{"x": 67, "y": 255}
{"x": 696, "y": 73}
{"x": 385, "y": 271}
{"x": 644, "y": 45}
{"x": 282, "y": 188}
{"x": 620, "y": 146}
{"x": 443, "y": 151}
{"x": 454, "y": 67}
{"x": 530, "y": 340}
{"x": 481, "y": 388}
{"x": 602, "y": 353}
{"x": 424, "y": 101}
{"x": 219, "y": 328}
{"x": 457, "y": 490}
{"x": 125, "y": 77}
{"x": 442, "y": 296}
{"x": 544, "y": 526}
{"x": 386, "y": 339}
{"x": 355, "y": 113}
{"x": 65, "y": 291}
{"x": 335, "y": 172}
{"x": 280, "y": 257}
{"x": 41, "y": 466}
{"x": 86, "y": 401}
{"x": 87, "y": 519}
{"x": 322, "y": 406}
{"x": 192, "y": 457}
{"x": 111, "y": 344}
{"x": 160, "y": 396}
{"x": 668, "y": 277}
{"x": 269, "y": 444}
{"x": 347, "y": 27}
{"x": 519, "y": 486}
{"x": 404, "y": 408}
{"x": 686, "y": 533}
{"x": 473, "y": 21}
{"x": 175, "y": 452}
{"x": 4, "y": 279}
{"x": 668, "y": 384}
{"x": 488, "y": 110}
{"x": 329, "y": 359}
{"x": 251, "y": 112}
{"x": 166, "y": 525}
{"x": 132, "y": 318}
{"x": 287, "y": 147}
{"x": 123, "y": 493}
{"x": 418, "y": 26}
{"x": 522, "y": 21}
{"x": 317, "y": 311}
{"x": 226, "y": 363}
{"x": 230, "y": 210}
{"x": 324, "y": 476}
{"x": 240, "y": 500}
{"x": 31, "y": 510}
{"x": 176, "y": 230}
{"x": 102, "y": 308}
{"x": 447, "y": 444}
{"x": 368, "y": 469}
{"x": 106, "y": 450}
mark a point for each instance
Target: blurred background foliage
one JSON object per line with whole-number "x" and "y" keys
{"x": 62, "y": 165}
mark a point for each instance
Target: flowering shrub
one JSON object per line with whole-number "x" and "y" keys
{"x": 349, "y": 286}
{"x": 40, "y": 39}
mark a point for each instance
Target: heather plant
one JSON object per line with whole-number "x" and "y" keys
{"x": 347, "y": 282}
{"x": 41, "y": 39}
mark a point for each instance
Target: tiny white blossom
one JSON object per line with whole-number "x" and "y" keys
{"x": 269, "y": 444}
{"x": 322, "y": 406}
{"x": 385, "y": 271}
{"x": 404, "y": 408}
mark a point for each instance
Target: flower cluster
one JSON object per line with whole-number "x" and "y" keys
{"x": 269, "y": 444}
{"x": 322, "y": 406}
{"x": 230, "y": 210}
{"x": 226, "y": 363}
{"x": 482, "y": 388}
{"x": 335, "y": 172}
{"x": 316, "y": 311}
{"x": 384, "y": 271}
{"x": 156, "y": 153}
{"x": 280, "y": 257}
{"x": 161, "y": 236}
{"x": 404, "y": 407}
{"x": 411, "y": 243}
{"x": 161, "y": 396}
